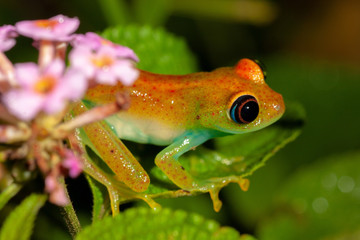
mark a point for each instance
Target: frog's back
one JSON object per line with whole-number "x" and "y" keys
{"x": 159, "y": 110}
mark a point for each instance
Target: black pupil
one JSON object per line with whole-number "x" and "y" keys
{"x": 249, "y": 111}
{"x": 245, "y": 109}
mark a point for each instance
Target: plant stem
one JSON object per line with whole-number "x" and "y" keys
{"x": 116, "y": 12}
{"x": 70, "y": 216}
{"x": 93, "y": 115}
{"x": 7, "y": 70}
{"x": 46, "y": 53}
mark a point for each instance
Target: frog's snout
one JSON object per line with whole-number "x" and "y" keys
{"x": 279, "y": 105}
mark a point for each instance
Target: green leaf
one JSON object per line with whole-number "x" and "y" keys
{"x": 158, "y": 50}
{"x": 8, "y": 193}
{"x": 321, "y": 201}
{"x": 100, "y": 206}
{"x": 19, "y": 224}
{"x": 145, "y": 223}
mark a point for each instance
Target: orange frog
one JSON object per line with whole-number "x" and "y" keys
{"x": 180, "y": 112}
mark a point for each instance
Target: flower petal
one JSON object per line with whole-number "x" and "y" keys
{"x": 57, "y": 28}
{"x": 66, "y": 25}
{"x": 90, "y": 40}
{"x": 105, "y": 77}
{"x": 125, "y": 72}
{"x": 96, "y": 42}
{"x": 26, "y": 74}
{"x": 77, "y": 82}
{"x": 72, "y": 86}
{"x": 7, "y": 35}
{"x": 25, "y": 105}
{"x": 80, "y": 58}
{"x": 72, "y": 163}
{"x": 125, "y": 52}
{"x": 58, "y": 196}
{"x": 55, "y": 68}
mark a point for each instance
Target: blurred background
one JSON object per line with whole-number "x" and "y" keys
{"x": 311, "y": 188}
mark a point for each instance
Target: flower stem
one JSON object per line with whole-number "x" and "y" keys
{"x": 12, "y": 134}
{"x": 7, "y": 70}
{"x": 46, "y": 53}
{"x": 60, "y": 50}
{"x": 93, "y": 115}
{"x": 69, "y": 214}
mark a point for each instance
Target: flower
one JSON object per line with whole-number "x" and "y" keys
{"x": 45, "y": 90}
{"x": 7, "y": 35}
{"x": 95, "y": 42}
{"x": 57, "y": 193}
{"x": 103, "y": 66}
{"x": 57, "y": 28}
{"x": 72, "y": 163}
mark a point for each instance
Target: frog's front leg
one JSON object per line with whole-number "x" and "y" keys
{"x": 167, "y": 161}
{"x": 128, "y": 179}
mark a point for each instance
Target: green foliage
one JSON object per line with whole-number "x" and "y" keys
{"x": 8, "y": 193}
{"x": 319, "y": 201}
{"x": 145, "y": 223}
{"x": 172, "y": 54}
{"x": 19, "y": 224}
{"x": 99, "y": 203}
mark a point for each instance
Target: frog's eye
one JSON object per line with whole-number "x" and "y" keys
{"x": 245, "y": 109}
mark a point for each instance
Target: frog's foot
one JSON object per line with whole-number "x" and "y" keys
{"x": 120, "y": 194}
{"x": 118, "y": 191}
{"x": 214, "y": 185}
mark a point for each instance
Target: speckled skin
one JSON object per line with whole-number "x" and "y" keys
{"x": 195, "y": 101}
{"x": 185, "y": 111}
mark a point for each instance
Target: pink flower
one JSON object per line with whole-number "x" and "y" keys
{"x": 45, "y": 90}
{"x": 50, "y": 183}
{"x": 95, "y": 42}
{"x": 7, "y": 35}
{"x": 57, "y": 28}
{"x": 72, "y": 163}
{"x": 59, "y": 197}
{"x": 56, "y": 191}
{"x": 103, "y": 66}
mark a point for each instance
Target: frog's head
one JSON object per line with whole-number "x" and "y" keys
{"x": 242, "y": 101}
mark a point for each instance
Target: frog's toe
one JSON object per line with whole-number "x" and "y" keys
{"x": 214, "y": 186}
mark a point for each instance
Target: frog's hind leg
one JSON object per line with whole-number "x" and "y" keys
{"x": 124, "y": 167}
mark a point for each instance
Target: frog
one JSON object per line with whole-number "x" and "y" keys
{"x": 179, "y": 112}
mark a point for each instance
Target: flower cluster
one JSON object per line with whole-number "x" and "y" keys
{"x": 34, "y": 96}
